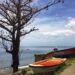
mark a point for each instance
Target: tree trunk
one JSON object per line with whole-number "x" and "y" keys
{"x": 15, "y": 61}
{"x": 15, "y": 56}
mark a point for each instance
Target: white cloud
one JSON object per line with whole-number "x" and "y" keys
{"x": 59, "y": 33}
{"x": 52, "y": 29}
{"x": 71, "y": 23}
{"x": 56, "y": 33}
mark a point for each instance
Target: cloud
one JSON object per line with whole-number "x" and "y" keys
{"x": 48, "y": 21}
{"x": 53, "y": 26}
{"x": 52, "y": 30}
{"x": 44, "y": 34}
{"x": 59, "y": 33}
{"x": 71, "y": 23}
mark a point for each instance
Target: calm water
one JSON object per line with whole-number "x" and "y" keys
{"x": 26, "y": 55}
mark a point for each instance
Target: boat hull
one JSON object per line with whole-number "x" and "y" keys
{"x": 45, "y": 69}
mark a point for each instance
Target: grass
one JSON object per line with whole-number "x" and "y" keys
{"x": 27, "y": 71}
{"x": 68, "y": 62}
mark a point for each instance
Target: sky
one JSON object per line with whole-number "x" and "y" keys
{"x": 56, "y": 26}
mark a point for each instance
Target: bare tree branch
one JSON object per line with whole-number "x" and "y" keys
{"x": 47, "y": 6}
{"x": 2, "y": 26}
{"x": 4, "y": 13}
{"x": 5, "y": 47}
{"x": 33, "y": 11}
{"x": 8, "y": 14}
{"x": 4, "y": 22}
{"x": 7, "y": 6}
{"x": 26, "y": 2}
{"x": 4, "y": 38}
{"x": 27, "y": 32}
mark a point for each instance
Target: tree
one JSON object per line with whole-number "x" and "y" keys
{"x": 15, "y": 16}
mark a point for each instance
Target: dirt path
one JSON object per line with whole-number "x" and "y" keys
{"x": 69, "y": 71}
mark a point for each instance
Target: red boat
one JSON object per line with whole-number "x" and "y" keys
{"x": 62, "y": 53}
{"x": 47, "y": 66}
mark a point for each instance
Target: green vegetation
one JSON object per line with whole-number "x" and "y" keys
{"x": 68, "y": 62}
{"x": 27, "y": 71}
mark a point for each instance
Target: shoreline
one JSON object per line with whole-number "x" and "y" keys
{"x": 4, "y": 71}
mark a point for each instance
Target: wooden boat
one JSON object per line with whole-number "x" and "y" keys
{"x": 48, "y": 65}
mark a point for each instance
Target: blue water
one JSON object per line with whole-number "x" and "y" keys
{"x": 26, "y": 55}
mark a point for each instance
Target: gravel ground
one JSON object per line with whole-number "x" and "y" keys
{"x": 69, "y": 71}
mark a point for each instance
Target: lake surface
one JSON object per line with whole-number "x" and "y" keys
{"x": 26, "y": 55}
